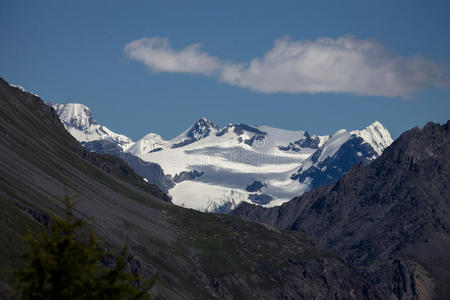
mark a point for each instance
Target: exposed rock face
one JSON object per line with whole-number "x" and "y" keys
{"x": 341, "y": 152}
{"x": 352, "y": 152}
{"x": 201, "y": 129}
{"x": 103, "y": 147}
{"x": 390, "y": 219}
{"x": 260, "y": 199}
{"x": 256, "y": 186}
{"x": 196, "y": 255}
{"x": 191, "y": 175}
{"x": 306, "y": 142}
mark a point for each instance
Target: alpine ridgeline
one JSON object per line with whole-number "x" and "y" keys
{"x": 213, "y": 169}
{"x": 195, "y": 255}
{"x": 390, "y": 219}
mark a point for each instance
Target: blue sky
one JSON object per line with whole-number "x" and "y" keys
{"x": 396, "y": 71}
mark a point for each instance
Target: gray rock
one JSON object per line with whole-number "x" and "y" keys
{"x": 389, "y": 219}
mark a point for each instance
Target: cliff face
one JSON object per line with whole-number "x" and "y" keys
{"x": 196, "y": 255}
{"x": 390, "y": 219}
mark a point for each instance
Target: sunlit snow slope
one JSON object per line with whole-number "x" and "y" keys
{"x": 214, "y": 169}
{"x": 78, "y": 120}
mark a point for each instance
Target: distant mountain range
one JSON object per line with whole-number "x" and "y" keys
{"x": 214, "y": 169}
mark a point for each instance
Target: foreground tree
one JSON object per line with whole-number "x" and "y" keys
{"x": 61, "y": 266}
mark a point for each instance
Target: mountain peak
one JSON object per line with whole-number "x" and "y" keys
{"x": 202, "y": 128}
{"x": 207, "y": 122}
{"x": 153, "y": 136}
{"x": 376, "y": 135}
{"x": 75, "y": 115}
{"x": 376, "y": 124}
{"x": 80, "y": 122}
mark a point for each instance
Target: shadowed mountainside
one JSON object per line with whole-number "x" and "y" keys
{"x": 196, "y": 255}
{"x": 152, "y": 172}
{"x": 390, "y": 219}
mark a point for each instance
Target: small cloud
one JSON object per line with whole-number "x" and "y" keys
{"x": 343, "y": 65}
{"x": 157, "y": 54}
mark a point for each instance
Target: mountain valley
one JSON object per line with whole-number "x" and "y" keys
{"x": 195, "y": 255}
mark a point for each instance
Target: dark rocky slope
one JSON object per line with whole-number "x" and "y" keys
{"x": 390, "y": 219}
{"x": 152, "y": 172}
{"x": 196, "y": 255}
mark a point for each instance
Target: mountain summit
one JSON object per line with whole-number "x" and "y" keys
{"x": 376, "y": 135}
{"x": 341, "y": 151}
{"x": 201, "y": 129}
{"x": 75, "y": 115}
{"x": 80, "y": 122}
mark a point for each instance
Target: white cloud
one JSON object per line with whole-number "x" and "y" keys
{"x": 157, "y": 54}
{"x": 343, "y": 65}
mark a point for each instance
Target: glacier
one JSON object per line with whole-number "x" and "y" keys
{"x": 225, "y": 161}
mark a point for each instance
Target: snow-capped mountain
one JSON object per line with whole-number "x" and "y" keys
{"x": 153, "y": 142}
{"x": 201, "y": 129}
{"x": 214, "y": 169}
{"x": 78, "y": 120}
{"x": 342, "y": 151}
